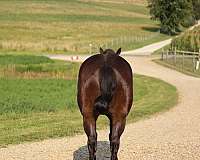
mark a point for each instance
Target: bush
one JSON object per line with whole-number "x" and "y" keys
{"x": 189, "y": 21}
{"x": 196, "y": 9}
{"x": 189, "y": 41}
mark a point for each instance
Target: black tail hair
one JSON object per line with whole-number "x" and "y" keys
{"x": 107, "y": 81}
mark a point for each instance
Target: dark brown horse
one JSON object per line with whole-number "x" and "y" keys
{"x": 105, "y": 86}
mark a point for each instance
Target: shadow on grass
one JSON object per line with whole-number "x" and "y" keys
{"x": 151, "y": 29}
{"x": 103, "y": 152}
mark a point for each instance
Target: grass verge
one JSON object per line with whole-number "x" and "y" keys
{"x": 188, "y": 67}
{"x": 33, "y": 110}
{"x": 36, "y": 67}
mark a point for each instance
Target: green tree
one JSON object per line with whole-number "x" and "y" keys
{"x": 196, "y": 9}
{"x": 170, "y": 13}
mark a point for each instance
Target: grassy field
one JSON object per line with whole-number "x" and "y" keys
{"x": 188, "y": 67}
{"x": 69, "y": 26}
{"x": 34, "y": 67}
{"x": 188, "y": 41}
{"x": 33, "y": 108}
{"x": 185, "y": 65}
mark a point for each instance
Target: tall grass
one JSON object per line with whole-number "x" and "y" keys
{"x": 188, "y": 41}
{"x": 34, "y": 67}
{"x": 38, "y": 109}
{"x": 39, "y": 95}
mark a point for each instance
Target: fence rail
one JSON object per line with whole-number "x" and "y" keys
{"x": 115, "y": 43}
{"x": 184, "y": 60}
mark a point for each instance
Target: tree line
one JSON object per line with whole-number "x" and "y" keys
{"x": 174, "y": 13}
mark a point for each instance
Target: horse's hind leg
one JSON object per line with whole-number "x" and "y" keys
{"x": 89, "y": 123}
{"x": 117, "y": 127}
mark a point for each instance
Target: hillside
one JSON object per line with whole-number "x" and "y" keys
{"x": 188, "y": 41}
{"x": 141, "y": 2}
{"x": 59, "y": 26}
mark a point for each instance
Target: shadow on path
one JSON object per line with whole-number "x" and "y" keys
{"x": 103, "y": 152}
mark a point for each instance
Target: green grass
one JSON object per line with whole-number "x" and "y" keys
{"x": 23, "y": 59}
{"x": 151, "y": 96}
{"x": 38, "y": 109}
{"x": 40, "y": 95}
{"x": 70, "y": 26}
{"x": 73, "y": 18}
{"x": 187, "y": 68}
{"x": 35, "y": 104}
{"x": 34, "y": 67}
{"x": 188, "y": 41}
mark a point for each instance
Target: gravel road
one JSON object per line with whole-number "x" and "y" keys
{"x": 173, "y": 135}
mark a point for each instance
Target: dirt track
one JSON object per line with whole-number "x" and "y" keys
{"x": 173, "y": 135}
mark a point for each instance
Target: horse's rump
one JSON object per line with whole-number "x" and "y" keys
{"x": 105, "y": 86}
{"x": 105, "y": 75}
{"x": 107, "y": 83}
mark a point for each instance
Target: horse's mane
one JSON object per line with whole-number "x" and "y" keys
{"x": 109, "y": 51}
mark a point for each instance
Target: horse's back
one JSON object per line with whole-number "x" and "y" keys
{"x": 93, "y": 63}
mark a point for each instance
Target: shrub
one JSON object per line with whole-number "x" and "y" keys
{"x": 189, "y": 41}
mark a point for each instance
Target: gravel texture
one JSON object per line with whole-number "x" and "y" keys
{"x": 173, "y": 135}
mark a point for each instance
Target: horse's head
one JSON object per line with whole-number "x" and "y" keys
{"x": 110, "y": 51}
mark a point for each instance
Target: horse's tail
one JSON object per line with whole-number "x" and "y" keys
{"x": 107, "y": 81}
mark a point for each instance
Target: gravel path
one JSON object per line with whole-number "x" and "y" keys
{"x": 147, "y": 50}
{"x": 173, "y": 135}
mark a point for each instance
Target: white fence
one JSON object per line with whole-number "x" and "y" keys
{"x": 182, "y": 59}
{"x": 115, "y": 43}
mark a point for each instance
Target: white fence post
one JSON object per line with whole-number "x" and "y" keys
{"x": 198, "y": 61}
{"x": 183, "y": 61}
{"x": 175, "y": 55}
{"x": 162, "y": 54}
{"x": 167, "y": 55}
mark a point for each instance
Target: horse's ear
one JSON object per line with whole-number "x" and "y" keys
{"x": 119, "y": 51}
{"x": 101, "y": 50}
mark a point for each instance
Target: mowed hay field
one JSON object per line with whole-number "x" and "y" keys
{"x": 69, "y": 26}
{"x": 37, "y": 94}
{"x": 38, "y": 99}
